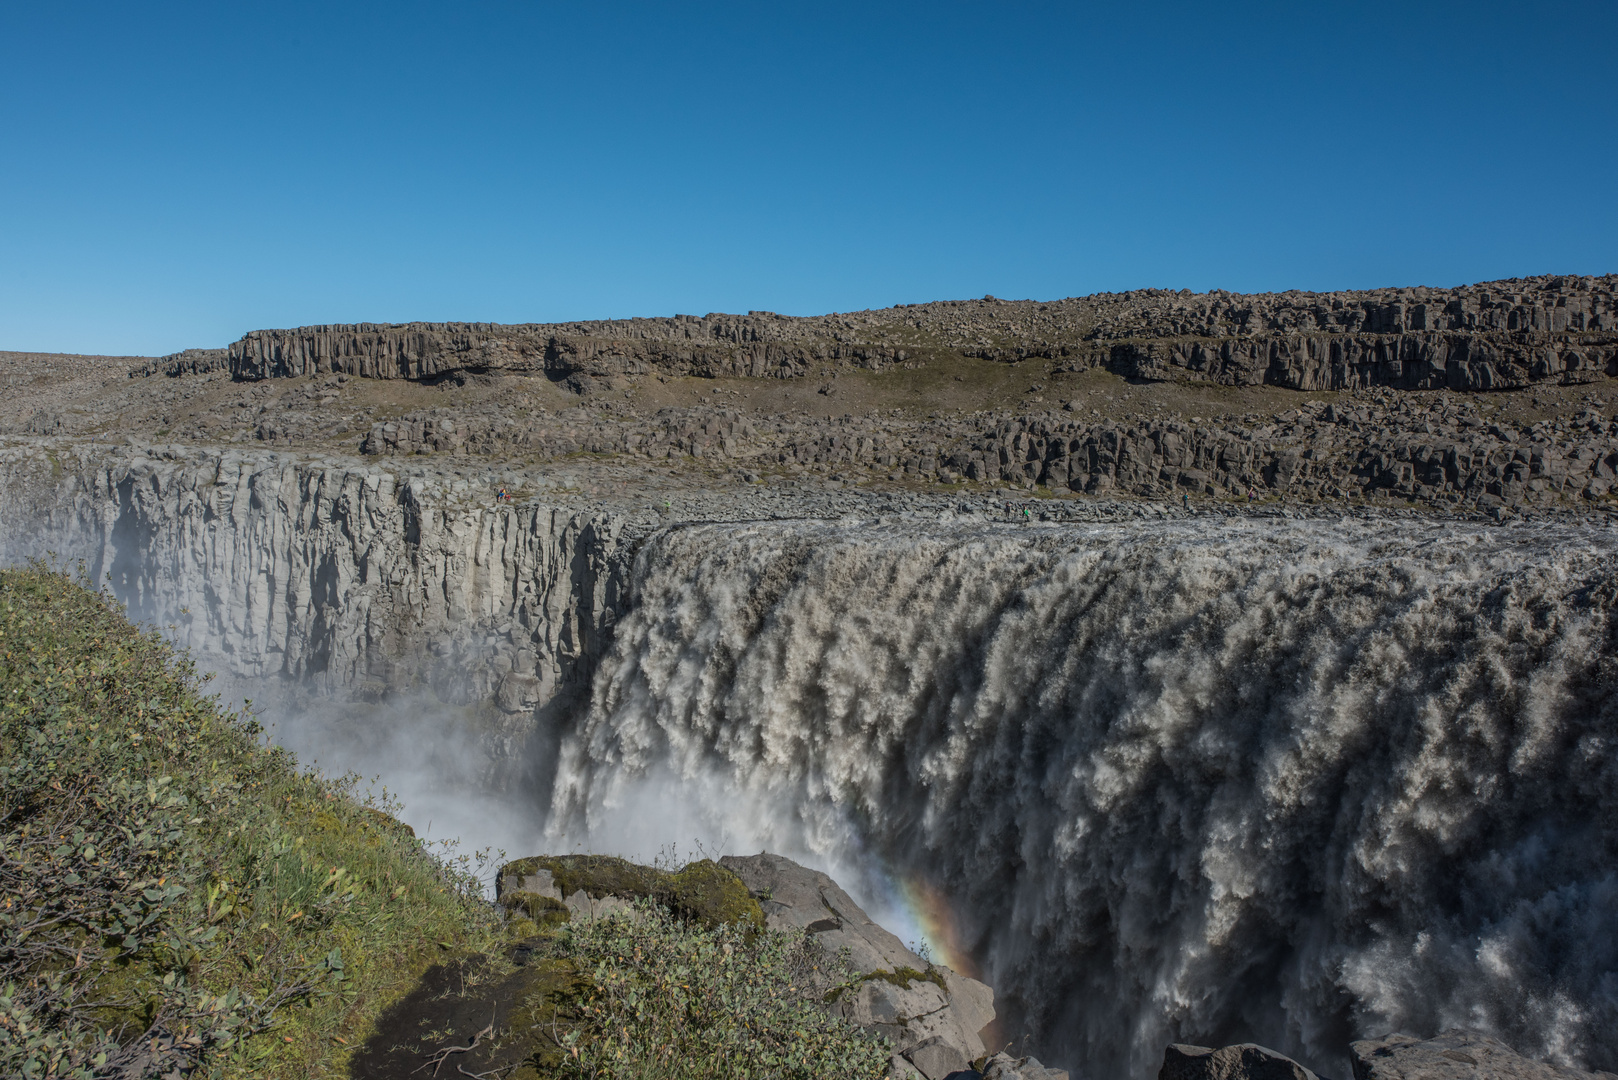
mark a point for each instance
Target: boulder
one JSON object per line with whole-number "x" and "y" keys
{"x": 1456, "y": 1054}
{"x": 796, "y": 898}
{"x": 1244, "y": 1061}
{"x": 936, "y": 1058}
{"x": 1006, "y": 1067}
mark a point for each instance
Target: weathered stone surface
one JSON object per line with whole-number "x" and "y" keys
{"x": 1006, "y": 1067}
{"x": 1456, "y": 1054}
{"x": 912, "y": 1002}
{"x": 878, "y": 1001}
{"x": 338, "y": 579}
{"x": 936, "y": 1058}
{"x": 519, "y": 692}
{"x": 797, "y": 898}
{"x": 1244, "y": 1061}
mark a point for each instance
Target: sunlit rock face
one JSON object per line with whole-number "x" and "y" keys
{"x": 357, "y": 582}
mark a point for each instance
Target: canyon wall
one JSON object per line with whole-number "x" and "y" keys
{"x": 335, "y": 580}
{"x": 1434, "y": 452}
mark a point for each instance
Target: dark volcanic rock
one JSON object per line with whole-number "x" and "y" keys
{"x": 1006, "y": 1067}
{"x": 1454, "y": 1055}
{"x": 1244, "y": 1061}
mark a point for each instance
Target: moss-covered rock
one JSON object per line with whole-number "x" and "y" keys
{"x": 542, "y": 911}
{"x": 703, "y": 891}
{"x": 712, "y": 895}
{"x": 596, "y": 875}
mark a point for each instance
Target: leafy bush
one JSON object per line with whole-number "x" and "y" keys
{"x": 178, "y": 895}
{"x": 672, "y": 998}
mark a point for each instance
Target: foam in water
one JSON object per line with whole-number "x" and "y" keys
{"x": 1203, "y": 781}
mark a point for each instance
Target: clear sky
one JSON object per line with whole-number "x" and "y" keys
{"x": 174, "y": 174}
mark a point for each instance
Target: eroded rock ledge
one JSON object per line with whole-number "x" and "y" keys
{"x": 1456, "y": 1054}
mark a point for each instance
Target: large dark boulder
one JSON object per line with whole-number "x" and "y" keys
{"x": 1244, "y": 1061}
{"x": 1456, "y": 1054}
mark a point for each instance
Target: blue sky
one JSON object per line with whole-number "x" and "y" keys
{"x": 173, "y": 174}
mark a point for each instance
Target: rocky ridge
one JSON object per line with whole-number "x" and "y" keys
{"x": 1477, "y": 337}
{"x": 1437, "y": 449}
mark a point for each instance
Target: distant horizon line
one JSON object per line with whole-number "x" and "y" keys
{"x": 1125, "y": 294}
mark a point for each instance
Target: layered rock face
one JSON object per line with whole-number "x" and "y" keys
{"x": 1437, "y": 453}
{"x": 713, "y": 346}
{"x": 331, "y": 578}
{"x": 1477, "y": 337}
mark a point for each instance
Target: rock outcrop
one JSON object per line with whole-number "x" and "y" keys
{"x": 592, "y": 886}
{"x": 1435, "y": 452}
{"x": 933, "y": 1016}
{"x": 332, "y": 578}
{"x": 1245, "y": 1061}
{"x": 1456, "y": 1054}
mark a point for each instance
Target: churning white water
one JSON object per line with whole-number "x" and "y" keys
{"x": 1202, "y": 781}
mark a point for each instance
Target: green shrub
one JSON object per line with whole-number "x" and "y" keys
{"x": 671, "y": 998}
{"x": 178, "y": 895}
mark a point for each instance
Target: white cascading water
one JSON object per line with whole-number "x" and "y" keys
{"x": 1202, "y": 781}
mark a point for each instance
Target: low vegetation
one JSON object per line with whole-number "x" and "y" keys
{"x": 178, "y": 894}
{"x": 671, "y": 997}
{"x": 180, "y": 899}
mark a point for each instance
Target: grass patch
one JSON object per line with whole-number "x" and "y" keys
{"x": 178, "y": 895}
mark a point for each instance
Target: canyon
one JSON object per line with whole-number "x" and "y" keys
{"x": 1188, "y": 668}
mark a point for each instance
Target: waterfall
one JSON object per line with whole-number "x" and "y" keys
{"x": 1202, "y": 781}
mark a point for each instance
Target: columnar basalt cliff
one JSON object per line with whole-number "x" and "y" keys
{"x": 1445, "y": 454}
{"x": 338, "y": 579}
{"x": 1483, "y": 337}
